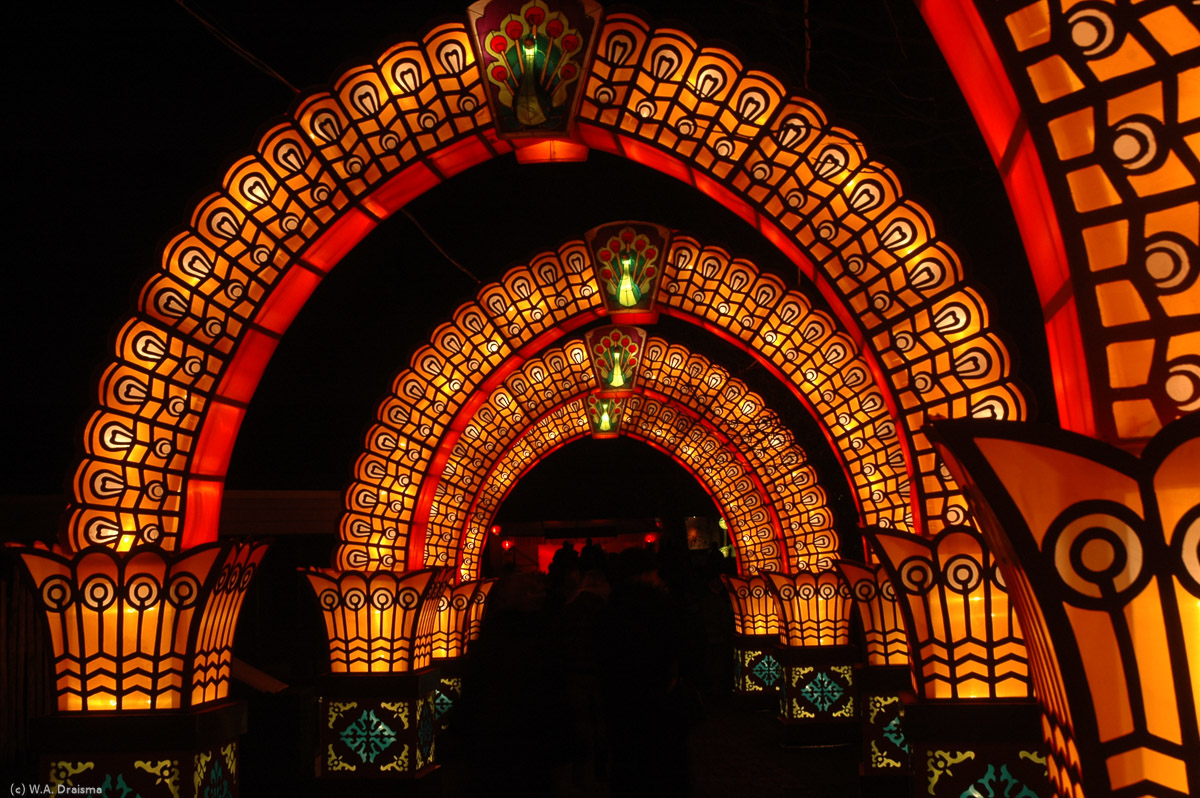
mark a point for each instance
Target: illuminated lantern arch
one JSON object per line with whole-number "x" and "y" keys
{"x": 699, "y": 449}
{"x": 1089, "y": 113}
{"x": 710, "y": 423}
{"x": 188, "y": 362}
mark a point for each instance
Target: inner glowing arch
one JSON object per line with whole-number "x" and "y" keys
{"x": 188, "y": 362}
{"x": 690, "y": 444}
{"x": 691, "y": 408}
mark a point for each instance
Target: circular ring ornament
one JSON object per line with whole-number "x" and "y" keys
{"x": 1098, "y": 553}
{"x": 57, "y": 593}
{"x": 183, "y": 591}
{"x": 98, "y": 593}
{"x": 916, "y": 575}
{"x": 142, "y": 592}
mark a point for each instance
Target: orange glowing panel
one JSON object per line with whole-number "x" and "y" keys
{"x": 370, "y": 617}
{"x": 963, "y": 633}
{"x": 141, "y": 629}
{"x": 550, "y": 151}
{"x": 454, "y": 613}
{"x": 755, "y": 605}
{"x": 815, "y": 608}
{"x": 1104, "y": 549}
{"x": 879, "y": 612}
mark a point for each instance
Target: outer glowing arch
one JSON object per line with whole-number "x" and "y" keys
{"x": 189, "y": 361}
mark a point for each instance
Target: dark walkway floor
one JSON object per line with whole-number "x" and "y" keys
{"x": 736, "y": 752}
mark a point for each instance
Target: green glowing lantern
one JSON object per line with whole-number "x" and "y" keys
{"x": 604, "y": 416}
{"x": 616, "y": 352}
{"x": 627, "y": 258}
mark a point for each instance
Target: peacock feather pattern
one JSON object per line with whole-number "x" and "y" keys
{"x": 537, "y": 56}
{"x": 627, "y": 267}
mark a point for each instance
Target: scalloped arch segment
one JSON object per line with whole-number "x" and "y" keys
{"x": 691, "y": 408}
{"x": 188, "y": 361}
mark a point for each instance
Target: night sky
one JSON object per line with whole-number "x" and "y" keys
{"x": 121, "y": 117}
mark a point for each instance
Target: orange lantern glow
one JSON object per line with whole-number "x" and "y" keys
{"x": 143, "y": 629}
{"x": 963, "y": 631}
{"x": 969, "y": 664}
{"x": 1102, "y": 550}
{"x": 879, "y": 612}
{"x": 454, "y": 618}
{"x": 885, "y": 683}
{"x": 756, "y": 625}
{"x": 815, "y": 608}
{"x": 816, "y": 657}
{"x": 379, "y": 621}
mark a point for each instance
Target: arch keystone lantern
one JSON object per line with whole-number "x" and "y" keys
{"x": 604, "y": 417}
{"x": 534, "y": 56}
{"x": 627, "y": 259}
{"x": 616, "y": 353}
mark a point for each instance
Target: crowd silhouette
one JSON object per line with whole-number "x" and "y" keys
{"x": 586, "y": 680}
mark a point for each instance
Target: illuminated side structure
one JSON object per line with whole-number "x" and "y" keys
{"x": 459, "y": 621}
{"x": 818, "y": 690}
{"x": 757, "y": 626}
{"x": 1089, "y": 113}
{"x": 143, "y": 650}
{"x": 1102, "y": 551}
{"x": 885, "y": 680}
{"x": 378, "y": 712}
{"x": 975, "y": 721}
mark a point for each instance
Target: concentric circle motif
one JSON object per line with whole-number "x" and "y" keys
{"x": 329, "y": 599}
{"x": 408, "y": 598}
{"x": 865, "y": 590}
{"x": 98, "y": 593}
{"x": 142, "y": 592}
{"x": 1098, "y": 553}
{"x": 354, "y": 599}
{"x": 183, "y": 591}
{"x": 57, "y": 593}
{"x": 916, "y": 574}
{"x": 962, "y": 574}
{"x": 383, "y": 598}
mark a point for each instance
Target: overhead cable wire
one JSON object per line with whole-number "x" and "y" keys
{"x": 438, "y": 247}
{"x": 227, "y": 40}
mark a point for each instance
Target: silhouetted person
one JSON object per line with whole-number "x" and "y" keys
{"x": 512, "y": 713}
{"x": 647, "y": 728}
{"x": 566, "y": 555}
{"x": 580, "y": 629}
{"x": 592, "y": 557}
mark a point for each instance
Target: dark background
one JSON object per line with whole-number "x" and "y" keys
{"x": 120, "y": 117}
